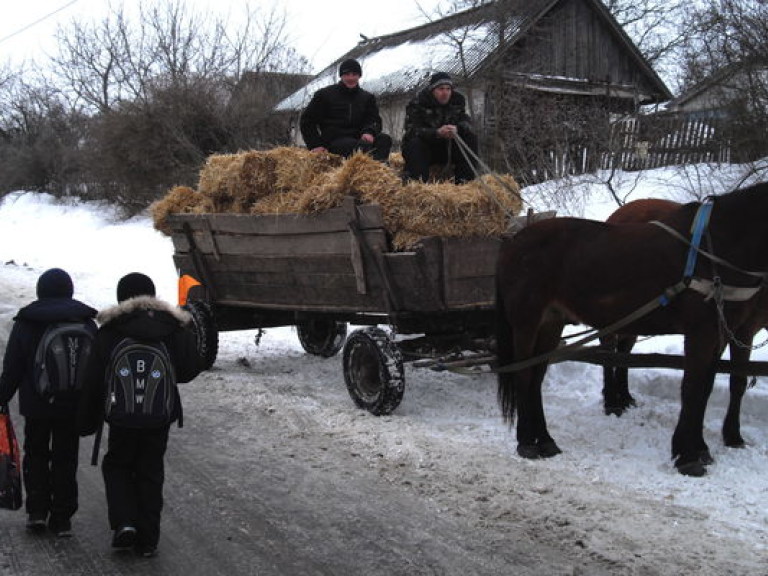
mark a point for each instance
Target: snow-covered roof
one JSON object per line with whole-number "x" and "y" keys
{"x": 398, "y": 63}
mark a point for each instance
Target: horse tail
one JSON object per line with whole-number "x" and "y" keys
{"x": 505, "y": 353}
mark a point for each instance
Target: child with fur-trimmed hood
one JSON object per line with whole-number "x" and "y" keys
{"x": 133, "y": 467}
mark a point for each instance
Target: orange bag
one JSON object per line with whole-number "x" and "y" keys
{"x": 10, "y": 464}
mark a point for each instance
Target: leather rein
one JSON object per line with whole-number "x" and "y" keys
{"x": 708, "y": 288}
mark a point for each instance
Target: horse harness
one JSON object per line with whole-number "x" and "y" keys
{"x": 710, "y": 289}
{"x": 715, "y": 289}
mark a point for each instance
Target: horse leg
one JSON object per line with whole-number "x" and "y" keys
{"x": 626, "y": 400}
{"x": 609, "y": 344}
{"x": 534, "y": 440}
{"x": 525, "y": 390}
{"x": 546, "y": 444}
{"x": 515, "y": 340}
{"x": 738, "y": 386}
{"x": 689, "y": 450}
{"x": 616, "y": 396}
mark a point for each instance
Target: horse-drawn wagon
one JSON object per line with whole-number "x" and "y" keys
{"x": 323, "y": 271}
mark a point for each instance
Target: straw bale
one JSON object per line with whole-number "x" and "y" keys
{"x": 279, "y": 203}
{"x": 257, "y": 176}
{"x": 297, "y": 168}
{"x": 396, "y": 162}
{"x": 476, "y": 208}
{"x": 234, "y": 182}
{"x": 179, "y": 200}
{"x": 359, "y": 176}
{"x": 219, "y": 179}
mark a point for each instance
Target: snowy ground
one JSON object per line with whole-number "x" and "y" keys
{"x": 613, "y": 492}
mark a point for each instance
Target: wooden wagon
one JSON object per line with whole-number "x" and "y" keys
{"x": 322, "y": 272}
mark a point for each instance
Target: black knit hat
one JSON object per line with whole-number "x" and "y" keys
{"x": 438, "y": 79}
{"x": 134, "y": 284}
{"x": 54, "y": 283}
{"x": 350, "y": 66}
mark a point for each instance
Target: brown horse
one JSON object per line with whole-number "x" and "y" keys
{"x": 570, "y": 270}
{"x": 616, "y": 395}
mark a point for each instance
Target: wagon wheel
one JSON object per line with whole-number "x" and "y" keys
{"x": 322, "y": 337}
{"x": 373, "y": 371}
{"x": 204, "y": 326}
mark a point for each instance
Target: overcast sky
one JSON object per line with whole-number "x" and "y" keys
{"x": 322, "y": 29}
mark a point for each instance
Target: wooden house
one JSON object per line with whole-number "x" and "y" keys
{"x": 723, "y": 118}
{"x": 539, "y": 76}
{"x": 722, "y": 93}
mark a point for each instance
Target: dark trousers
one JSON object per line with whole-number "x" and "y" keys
{"x": 379, "y": 148}
{"x": 419, "y": 154}
{"x": 134, "y": 472}
{"x": 50, "y": 466}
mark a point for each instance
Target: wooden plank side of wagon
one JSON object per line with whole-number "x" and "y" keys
{"x": 294, "y": 245}
{"x": 287, "y": 261}
{"x": 446, "y": 274}
{"x": 290, "y": 282}
{"x": 330, "y": 229}
{"x": 416, "y": 276}
{"x": 469, "y": 270}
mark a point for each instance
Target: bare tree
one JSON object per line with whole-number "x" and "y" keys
{"x": 727, "y": 59}
{"x": 121, "y": 58}
{"x": 726, "y": 33}
{"x": 90, "y": 64}
{"x": 158, "y": 80}
{"x": 39, "y": 135}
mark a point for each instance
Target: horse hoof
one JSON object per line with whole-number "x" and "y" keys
{"x": 549, "y": 449}
{"x": 530, "y": 451}
{"x": 738, "y": 443}
{"x": 695, "y": 469}
{"x": 706, "y": 458}
{"x": 614, "y": 411}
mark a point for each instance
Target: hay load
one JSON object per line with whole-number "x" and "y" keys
{"x": 291, "y": 180}
{"x": 235, "y": 182}
{"x": 179, "y": 200}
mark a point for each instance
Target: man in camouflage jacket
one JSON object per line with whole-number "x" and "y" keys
{"x": 432, "y": 121}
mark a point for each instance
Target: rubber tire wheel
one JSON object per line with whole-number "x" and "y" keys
{"x": 322, "y": 337}
{"x": 373, "y": 371}
{"x": 204, "y": 326}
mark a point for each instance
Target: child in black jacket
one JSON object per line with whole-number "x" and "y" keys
{"x": 51, "y": 441}
{"x": 133, "y": 467}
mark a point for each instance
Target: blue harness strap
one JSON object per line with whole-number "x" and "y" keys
{"x": 700, "y": 222}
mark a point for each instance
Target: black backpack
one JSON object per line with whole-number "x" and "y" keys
{"x": 141, "y": 384}
{"x": 61, "y": 358}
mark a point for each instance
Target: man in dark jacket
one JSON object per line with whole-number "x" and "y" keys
{"x": 51, "y": 440}
{"x": 432, "y": 121}
{"x": 343, "y": 118}
{"x": 133, "y": 467}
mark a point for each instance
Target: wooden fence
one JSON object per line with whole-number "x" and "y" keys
{"x": 641, "y": 142}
